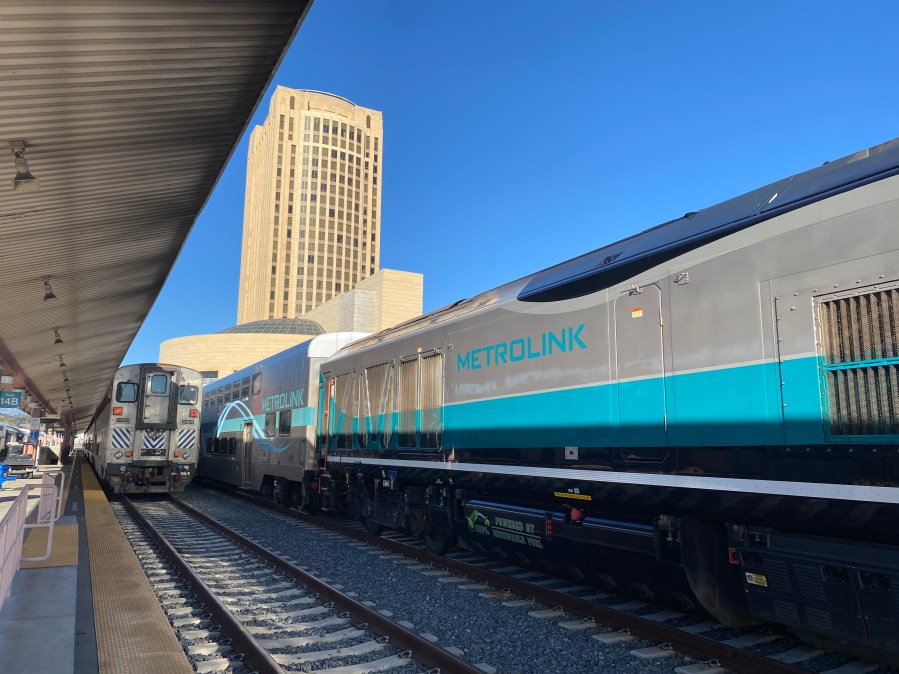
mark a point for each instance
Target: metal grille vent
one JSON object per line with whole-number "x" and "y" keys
{"x": 407, "y": 403}
{"x": 344, "y": 403}
{"x": 861, "y": 361}
{"x": 431, "y": 399}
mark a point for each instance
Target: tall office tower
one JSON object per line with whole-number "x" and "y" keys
{"x": 312, "y": 217}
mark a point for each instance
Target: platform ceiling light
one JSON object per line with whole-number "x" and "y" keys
{"x": 62, "y": 363}
{"x": 48, "y": 291}
{"x": 58, "y": 339}
{"x": 23, "y": 180}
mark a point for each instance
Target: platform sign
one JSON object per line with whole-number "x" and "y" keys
{"x": 10, "y": 399}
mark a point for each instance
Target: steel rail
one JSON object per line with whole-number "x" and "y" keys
{"x": 254, "y": 654}
{"x": 422, "y": 650}
{"x": 693, "y": 645}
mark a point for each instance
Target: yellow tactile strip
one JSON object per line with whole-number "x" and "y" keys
{"x": 65, "y": 547}
{"x": 133, "y": 634}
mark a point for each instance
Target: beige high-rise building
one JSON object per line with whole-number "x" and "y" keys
{"x": 312, "y": 217}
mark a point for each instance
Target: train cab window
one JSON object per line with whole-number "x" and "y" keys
{"x": 126, "y": 392}
{"x": 159, "y": 384}
{"x": 257, "y": 383}
{"x": 187, "y": 395}
{"x": 284, "y": 419}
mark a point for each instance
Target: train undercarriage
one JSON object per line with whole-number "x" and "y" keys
{"x": 840, "y": 591}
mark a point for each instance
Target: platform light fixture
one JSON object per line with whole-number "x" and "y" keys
{"x": 24, "y": 180}
{"x": 48, "y": 291}
{"x": 58, "y": 339}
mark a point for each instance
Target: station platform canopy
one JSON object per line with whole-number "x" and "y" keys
{"x": 127, "y": 112}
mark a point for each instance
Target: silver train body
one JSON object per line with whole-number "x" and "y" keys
{"x": 145, "y": 435}
{"x": 259, "y": 423}
{"x": 706, "y": 411}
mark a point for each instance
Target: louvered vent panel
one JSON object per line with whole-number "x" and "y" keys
{"x": 861, "y": 360}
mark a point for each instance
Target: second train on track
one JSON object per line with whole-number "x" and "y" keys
{"x": 707, "y": 410}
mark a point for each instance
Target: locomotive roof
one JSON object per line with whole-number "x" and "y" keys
{"x": 616, "y": 262}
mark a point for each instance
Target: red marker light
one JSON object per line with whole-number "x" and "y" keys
{"x": 194, "y": 413}
{"x": 576, "y": 515}
{"x": 118, "y": 411}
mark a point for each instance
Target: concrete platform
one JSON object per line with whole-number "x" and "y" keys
{"x": 39, "y": 620}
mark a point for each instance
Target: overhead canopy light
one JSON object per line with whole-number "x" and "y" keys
{"x": 24, "y": 180}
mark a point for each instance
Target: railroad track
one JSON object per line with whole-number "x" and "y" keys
{"x": 582, "y": 608}
{"x": 238, "y": 607}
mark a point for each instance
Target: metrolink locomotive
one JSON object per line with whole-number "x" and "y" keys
{"x": 145, "y": 435}
{"x": 707, "y": 411}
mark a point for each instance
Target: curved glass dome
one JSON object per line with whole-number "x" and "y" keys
{"x": 279, "y": 326}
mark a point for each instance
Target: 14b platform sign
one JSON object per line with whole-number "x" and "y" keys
{"x": 10, "y": 399}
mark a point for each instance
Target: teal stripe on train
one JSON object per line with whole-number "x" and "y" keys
{"x": 733, "y": 406}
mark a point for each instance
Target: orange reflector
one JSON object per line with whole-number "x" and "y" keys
{"x": 194, "y": 413}
{"x": 177, "y": 453}
{"x": 129, "y": 453}
{"x": 118, "y": 411}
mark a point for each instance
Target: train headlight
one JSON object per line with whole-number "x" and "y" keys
{"x": 185, "y": 455}
{"x": 118, "y": 455}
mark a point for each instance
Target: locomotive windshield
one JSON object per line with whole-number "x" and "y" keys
{"x": 187, "y": 395}
{"x": 126, "y": 392}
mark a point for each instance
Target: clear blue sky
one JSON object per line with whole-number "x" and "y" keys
{"x": 519, "y": 134}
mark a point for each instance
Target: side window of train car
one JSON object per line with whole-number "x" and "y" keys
{"x": 232, "y": 446}
{"x": 270, "y": 419}
{"x": 245, "y": 388}
{"x": 126, "y": 392}
{"x": 284, "y": 422}
{"x": 187, "y": 395}
{"x": 257, "y": 383}
{"x": 209, "y": 445}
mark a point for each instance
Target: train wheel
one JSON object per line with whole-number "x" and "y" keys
{"x": 438, "y": 541}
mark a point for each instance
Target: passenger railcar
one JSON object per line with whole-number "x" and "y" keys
{"x": 258, "y": 424}
{"x": 145, "y": 435}
{"x": 708, "y": 409}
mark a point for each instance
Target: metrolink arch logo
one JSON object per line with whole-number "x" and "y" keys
{"x": 233, "y": 418}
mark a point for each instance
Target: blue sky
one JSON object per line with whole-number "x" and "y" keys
{"x": 520, "y": 134}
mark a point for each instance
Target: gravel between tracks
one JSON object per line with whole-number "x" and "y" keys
{"x": 504, "y": 637}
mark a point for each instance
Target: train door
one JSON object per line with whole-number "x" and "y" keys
{"x": 157, "y": 408}
{"x": 246, "y": 454}
{"x": 642, "y": 409}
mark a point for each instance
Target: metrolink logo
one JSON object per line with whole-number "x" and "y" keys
{"x": 283, "y": 401}
{"x": 527, "y": 348}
